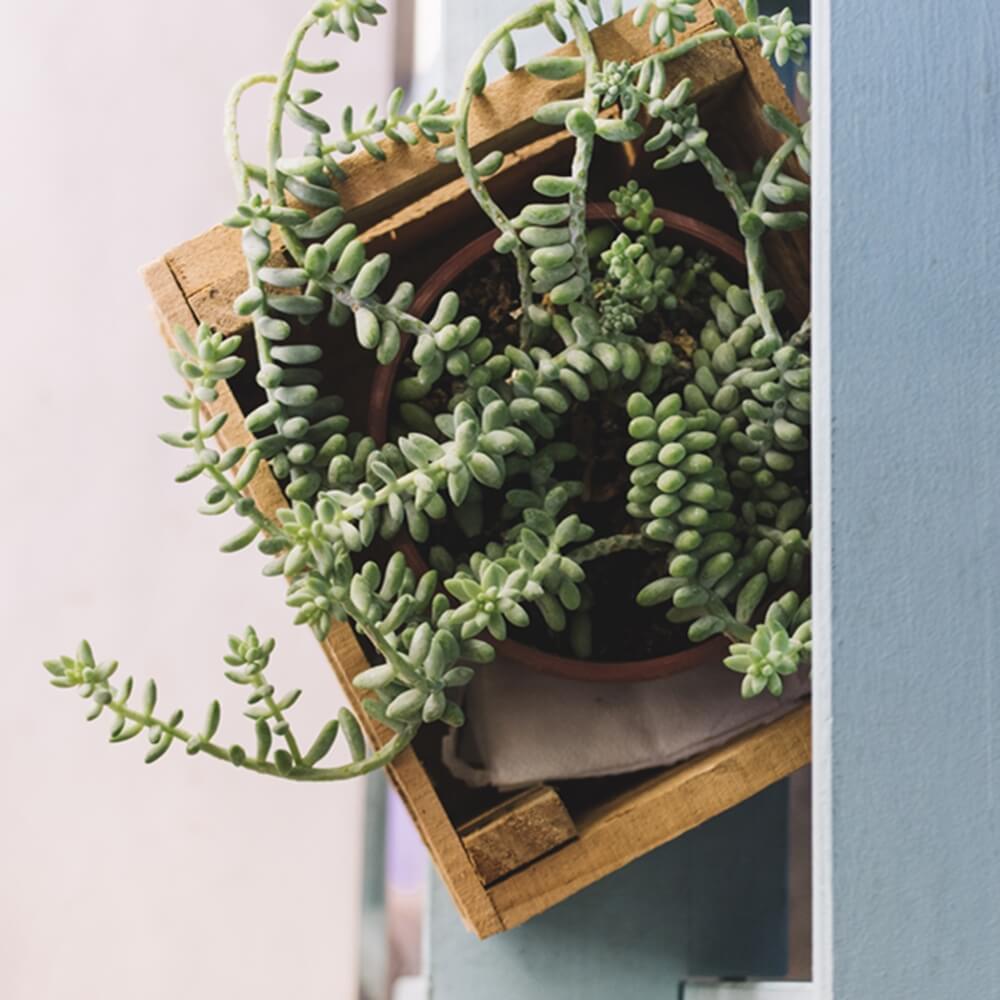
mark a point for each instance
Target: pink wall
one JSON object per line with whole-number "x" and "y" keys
{"x": 185, "y": 879}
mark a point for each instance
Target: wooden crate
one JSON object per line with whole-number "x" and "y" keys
{"x": 507, "y": 858}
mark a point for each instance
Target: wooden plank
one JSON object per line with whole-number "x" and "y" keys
{"x": 502, "y": 119}
{"x": 522, "y": 164}
{"x": 655, "y": 813}
{"x": 386, "y": 197}
{"x": 452, "y": 202}
{"x": 517, "y": 832}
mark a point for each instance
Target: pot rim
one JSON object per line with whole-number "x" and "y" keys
{"x": 603, "y": 671}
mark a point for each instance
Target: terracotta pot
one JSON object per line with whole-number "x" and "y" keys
{"x": 691, "y": 233}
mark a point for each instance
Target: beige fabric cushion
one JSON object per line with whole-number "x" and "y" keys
{"x": 524, "y": 727}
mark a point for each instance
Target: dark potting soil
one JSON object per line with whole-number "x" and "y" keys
{"x": 620, "y": 629}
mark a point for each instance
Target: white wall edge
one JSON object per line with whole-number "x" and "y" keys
{"x": 749, "y": 991}
{"x": 822, "y": 497}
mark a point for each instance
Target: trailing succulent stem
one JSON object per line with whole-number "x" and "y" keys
{"x": 248, "y": 659}
{"x": 718, "y": 495}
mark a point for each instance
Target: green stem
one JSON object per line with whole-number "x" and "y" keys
{"x": 279, "y": 716}
{"x": 275, "y": 188}
{"x": 756, "y": 268}
{"x": 121, "y": 709}
{"x": 477, "y": 187}
{"x": 383, "y": 310}
{"x": 756, "y": 261}
{"x": 688, "y": 45}
{"x": 582, "y": 156}
{"x": 725, "y": 182}
{"x": 239, "y": 168}
{"x": 372, "y": 762}
{"x": 800, "y": 339}
{"x": 723, "y": 179}
{"x": 379, "y": 127}
{"x": 732, "y": 628}
{"x": 401, "y": 666}
{"x": 771, "y": 170}
{"x": 624, "y": 542}
{"x": 221, "y": 479}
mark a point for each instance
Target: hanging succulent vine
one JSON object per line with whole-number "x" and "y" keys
{"x": 716, "y": 464}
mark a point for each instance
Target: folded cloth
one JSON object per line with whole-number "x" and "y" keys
{"x": 524, "y": 727}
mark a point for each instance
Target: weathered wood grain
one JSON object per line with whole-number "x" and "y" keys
{"x": 517, "y": 832}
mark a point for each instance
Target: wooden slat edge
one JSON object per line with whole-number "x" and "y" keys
{"x": 728, "y": 70}
{"x": 457, "y": 189}
{"x": 502, "y": 118}
{"x": 419, "y": 796}
{"x": 173, "y": 309}
{"x": 382, "y": 195}
{"x": 655, "y": 813}
{"x": 169, "y": 305}
{"x": 767, "y": 86}
{"x": 516, "y": 833}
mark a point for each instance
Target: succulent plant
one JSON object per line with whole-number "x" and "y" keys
{"x": 718, "y": 462}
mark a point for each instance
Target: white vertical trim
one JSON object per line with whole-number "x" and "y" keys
{"x": 822, "y": 499}
{"x": 428, "y": 36}
{"x": 411, "y": 988}
{"x": 749, "y": 991}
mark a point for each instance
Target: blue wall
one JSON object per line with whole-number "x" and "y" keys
{"x": 713, "y": 902}
{"x": 908, "y": 475}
